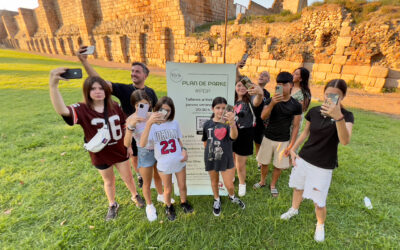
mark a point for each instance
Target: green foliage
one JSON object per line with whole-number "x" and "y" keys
{"x": 51, "y": 199}
{"x": 284, "y": 16}
{"x": 390, "y": 90}
{"x": 354, "y": 85}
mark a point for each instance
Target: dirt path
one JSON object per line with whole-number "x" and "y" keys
{"x": 387, "y": 103}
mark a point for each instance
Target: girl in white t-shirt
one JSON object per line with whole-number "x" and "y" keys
{"x": 165, "y": 134}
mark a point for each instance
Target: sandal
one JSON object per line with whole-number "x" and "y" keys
{"x": 274, "y": 192}
{"x": 258, "y": 185}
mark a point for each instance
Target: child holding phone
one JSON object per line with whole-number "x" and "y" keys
{"x": 164, "y": 132}
{"x": 136, "y": 124}
{"x": 218, "y": 154}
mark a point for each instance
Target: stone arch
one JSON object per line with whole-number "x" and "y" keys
{"x": 124, "y": 40}
{"x": 48, "y": 47}
{"x": 70, "y": 50}
{"x": 143, "y": 47}
{"x": 62, "y": 45}
{"x": 37, "y": 46}
{"x": 169, "y": 44}
{"x": 43, "y": 48}
{"x": 107, "y": 48}
{"x": 53, "y": 44}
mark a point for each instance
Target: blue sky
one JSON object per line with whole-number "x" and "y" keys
{"x": 31, "y": 4}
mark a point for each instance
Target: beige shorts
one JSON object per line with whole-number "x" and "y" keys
{"x": 273, "y": 149}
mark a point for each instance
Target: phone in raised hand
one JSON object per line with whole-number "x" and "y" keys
{"x": 332, "y": 99}
{"x": 279, "y": 90}
{"x": 164, "y": 113}
{"x": 228, "y": 108}
{"x": 89, "y": 50}
{"x": 244, "y": 59}
{"x": 142, "y": 110}
{"x": 246, "y": 82}
{"x": 72, "y": 74}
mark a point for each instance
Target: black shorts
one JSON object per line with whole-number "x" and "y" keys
{"x": 259, "y": 133}
{"x": 105, "y": 166}
{"x": 134, "y": 147}
{"x": 243, "y": 145}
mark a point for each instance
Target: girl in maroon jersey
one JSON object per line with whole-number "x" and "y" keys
{"x": 90, "y": 116}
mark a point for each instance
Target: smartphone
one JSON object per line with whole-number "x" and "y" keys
{"x": 244, "y": 58}
{"x": 72, "y": 74}
{"x": 333, "y": 98}
{"x": 163, "y": 112}
{"x": 246, "y": 82}
{"x": 142, "y": 110}
{"x": 89, "y": 50}
{"x": 228, "y": 108}
{"x": 279, "y": 90}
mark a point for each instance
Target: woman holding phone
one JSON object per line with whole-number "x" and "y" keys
{"x": 247, "y": 97}
{"x": 146, "y": 161}
{"x": 90, "y": 115}
{"x": 326, "y": 127}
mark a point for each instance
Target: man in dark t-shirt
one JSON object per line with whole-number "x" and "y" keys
{"x": 281, "y": 110}
{"x": 123, "y": 92}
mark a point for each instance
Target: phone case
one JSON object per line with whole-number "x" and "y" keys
{"x": 72, "y": 74}
{"x": 279, "y": 90}
{"x": 142, "y": 110}
{"x": 89, "y": 50}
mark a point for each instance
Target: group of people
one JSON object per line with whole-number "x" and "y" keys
{"x": 153, "y": 141}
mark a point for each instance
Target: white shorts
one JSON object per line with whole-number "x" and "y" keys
{"x": 313, "y": 180}
{"x": 275, "y": 149}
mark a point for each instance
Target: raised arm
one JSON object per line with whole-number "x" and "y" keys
{"x": 55, "y": 95}
{"x": 155, "y": 117}
{"x": 88, "y": 68}
{"x": 259, "y": 95}
{"x": 344, "y": 128}
{"x": 266, "y": 112}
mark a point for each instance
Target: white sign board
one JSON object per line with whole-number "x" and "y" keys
{"x": 192, "y": 87}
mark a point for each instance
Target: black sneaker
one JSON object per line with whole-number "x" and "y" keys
{"x": 217, "y": 207}
{"x": 138, "y": 200}
{"x": 140, "y": 181}
{"x": 187, "y": 208}
{"x": 170, "y": 211}
{"x": 236, "y": 200}
{"x": 112, "y": 211}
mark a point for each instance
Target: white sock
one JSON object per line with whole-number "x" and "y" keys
{"x": 232, "y": 196}
{"x": 217, "y": 199}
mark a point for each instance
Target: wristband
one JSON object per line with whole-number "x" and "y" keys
{"x": 341, "y": 118}
{"x": 131, "y": 128}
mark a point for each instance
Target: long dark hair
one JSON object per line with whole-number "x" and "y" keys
{"x": 216, "y": 101}
{"x": 304, "y": 86}
{"x": 139, "y": 95}
{"x": 168, "y": 101}
{"x": 87, "y": 86}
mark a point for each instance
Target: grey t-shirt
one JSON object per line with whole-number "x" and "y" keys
{"x": 218, "y": 154}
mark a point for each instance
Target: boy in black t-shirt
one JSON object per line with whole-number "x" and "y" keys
{"x": 281, "y": 110}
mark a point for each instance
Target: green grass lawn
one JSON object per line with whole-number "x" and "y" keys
{"x": 51, "y": 196}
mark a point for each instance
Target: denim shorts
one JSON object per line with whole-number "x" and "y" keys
{"x": 146, "y": 158}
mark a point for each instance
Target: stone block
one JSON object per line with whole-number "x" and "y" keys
{"x": 379, "y": 72}
{"x": 271, "y": 63}
{"x": 359, "y": 70}
{"x": 371, "y": 81}
{"x": 323, "y": 67}
{"x": 373, "y": 90}
{"x": 283, "y": 64}
{"x": 345, "y": 31}
{"x": 339, "y": 50}
{"x": 361, "y": 79}
{"x": 337, "y": 68}
{"x": 339, "y": 59}
{"x": 394, "y": 73}
{"x": 380, "y": 82}
{"x": 319, "y": 76}
{"x": 392, "y": 83}
{"x": 347, "y": 77}
{"x": 343, "y": 41}
{"x": 308, "y": 66}
{"x": 331, "y": 76}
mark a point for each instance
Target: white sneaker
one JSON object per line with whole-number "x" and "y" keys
{"x": 160, "y": 198}
{"x": 319, "y": 235}
{"x": 151, "y": 213}
{"x": 289, "y": 214}
{"x": 242, "y": 190}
